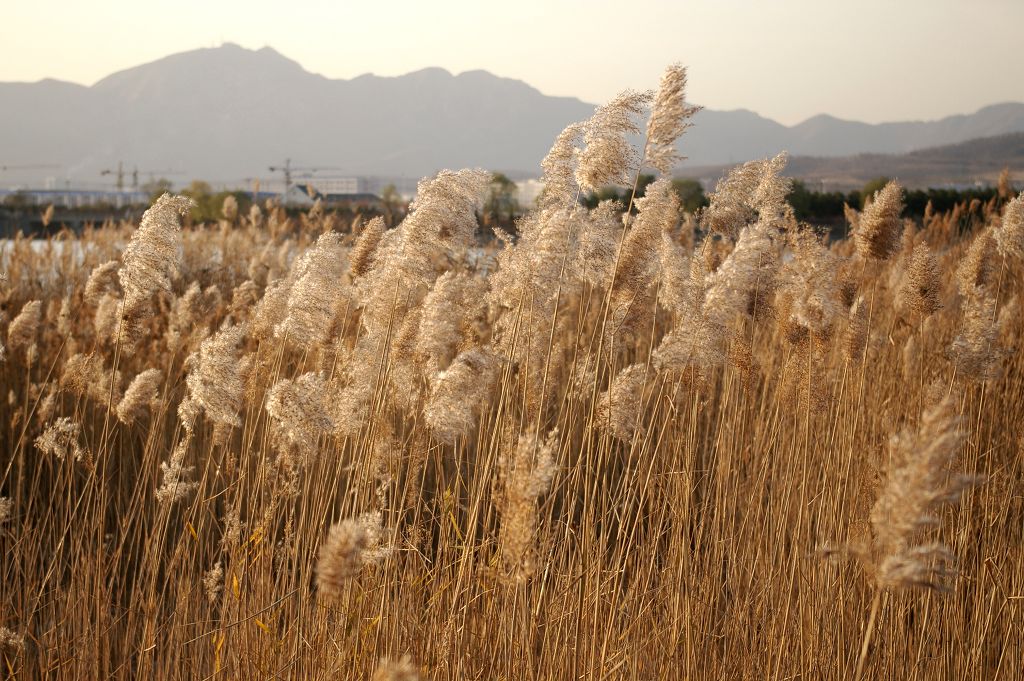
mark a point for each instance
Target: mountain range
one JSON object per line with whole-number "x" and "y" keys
{"x": 227, "y": 113}
{"x": 962, "y": 164}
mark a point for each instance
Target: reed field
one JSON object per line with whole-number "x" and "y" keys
{"x": 621, "y": 443}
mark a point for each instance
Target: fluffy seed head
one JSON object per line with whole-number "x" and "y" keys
{"x": 153, "y": 254}
{"x": 396, "y": 670}
{"x": 670, "y": 117}
{"x": 918, "y": 482}
{"x": 608, "y": 155}
{"x": 879, "y": 226}
{"x": 1010, "y": 235}
{"x": 526, "y": 473}
{"x": 351, "y": 545}
{"x": 142, "y": 393}
{"x": 923, "y": 284}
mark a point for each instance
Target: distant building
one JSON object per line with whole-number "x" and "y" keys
{"x": 339, "y": 185}
{"x": 73, "y": 198}
{"x": 305, "y": 195}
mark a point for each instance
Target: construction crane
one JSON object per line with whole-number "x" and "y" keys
{"x": 287, "y": 169}
{"x": 135, "y": 175}
{"x": 120, "y": 175}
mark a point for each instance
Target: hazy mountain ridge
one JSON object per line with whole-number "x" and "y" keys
{"x": 227, "y": 113}
{"x": 961, "y": 164}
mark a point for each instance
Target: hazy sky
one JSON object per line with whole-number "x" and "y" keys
{"x": 868, "y": 60}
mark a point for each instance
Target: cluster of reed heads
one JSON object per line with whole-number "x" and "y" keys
{"x": 624, "y": 442}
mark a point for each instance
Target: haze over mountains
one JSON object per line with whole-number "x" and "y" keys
{"x": 224, "y": 114}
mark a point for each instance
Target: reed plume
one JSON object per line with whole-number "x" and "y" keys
{"x": 60, "y": 440}
{"x": 879, "y": 226}
{"x": 1010, "y": 234}
{"x": 317, "y": 297}
{"x": 670, "y": 118}
{"x": 153, "y": 254}
{"x": 919, "y": 481}
{"x": 361, "y": 257}
{"x": 525, "y": 474}
{"x": 459, "y": 393}
{"x": 921, "y": 291}
{"x": 299, "y": 410}
{"x": 217, "y": 373}
{"x": 559, "y": 166}
{"x": 176, "y": 485}
{"x": 608, "y": 156}
{"x": 24, "y": 329}
{"x": 401, "y": 669}
{"x": 141, "y": 395}
{"x": 350, "y": 546}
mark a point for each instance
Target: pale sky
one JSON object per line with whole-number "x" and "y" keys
{"x": 869, "y": 60}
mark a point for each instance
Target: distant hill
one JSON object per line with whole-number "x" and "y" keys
{"x": 971, "y": 162}
{"x": 227, "y": 113}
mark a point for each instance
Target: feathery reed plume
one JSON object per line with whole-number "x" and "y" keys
{"x": 670, "y": 117}
{"x": 598, "y": 245}
{"x": 317, "y": 293}
{"x": 920, "y": 292}
{"x": 176, "y": 485}
{"x": 153, "y": 255}
{"x": 229, "y": 208}
{"x": 11, "y": 641}
{"x": 530, "y": 280}
{"x": 217, "y": 373}
{"x": 441, "y": 223}
{"x": 87, "y": 375}
{"x": 676, "y": 274}
{"x": 526, "y": 474}
{"x": 361, "y": 257}
{"x": 559, "y": 181}
{"x": 244, "y": 298}
{"x": 271, "y": 309}
{"x": 879, "y": 227}
{"x": 188, "y": 314}
{"x": 1010, "y": 234}
{"x": 107, "y": 318}
{"x": 298, "y": 409}
{"x": 608, "y": 156}
{"x": 47, "y": 217}
{"x": 102, "y": 280}
{"x": 974, "y": 349}
{"x": 142, "y": 393}
{"x": 978, "y": 267}
{"x": 60, "y": 439}
{"x": 454, "y": 298}
{"x": 753, "y": 188}
{"x": 856, "y": 331}
{"x": 350, "y": 546}
{"x": 912, "y": 357}
{"x": 631, "y": 302}
{"x": 213, "y": 582}
{"x": 5, "y": 509}
{"x": 747, "y": 274}
{"x": 918, "y": 482}
{"x": 22, "y": 333}
{"x": 459, "y": 393}
{"x": 618, "y": 408}
{"x": 64, "y": 318}
{"x": 396, "y": 670}
{"x": 808, "y": 282}
{"x": 406, "y": 379}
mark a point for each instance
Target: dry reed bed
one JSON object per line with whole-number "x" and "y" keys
{"x": 652, "y": 446}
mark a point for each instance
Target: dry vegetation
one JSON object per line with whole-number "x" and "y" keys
{"x": 643, "y": 447}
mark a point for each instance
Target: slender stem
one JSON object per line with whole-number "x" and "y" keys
{"x": 876, "y": 605}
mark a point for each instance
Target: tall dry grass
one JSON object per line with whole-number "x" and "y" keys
{"x": 633, "y": 445}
